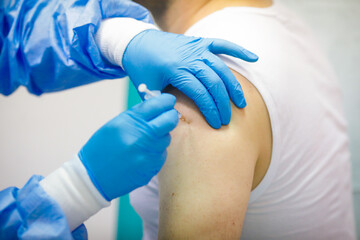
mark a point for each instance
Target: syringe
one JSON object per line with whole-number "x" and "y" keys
{"x": 150, "y": 94}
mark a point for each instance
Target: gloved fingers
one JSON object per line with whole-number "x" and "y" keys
{"x": 159, "y": 164}
{"x": 219, "y": 46}
{"x": 217, "y": 90}
{"x": 232, "y": 85}
{"x": 164, "y": 123}
{"x": 159, "y": 145}
{"x": 155, "y": 106}
{"x": 194, "y": 89}
{"x": 161, "y": 161}
{"x": 164, "y": 142}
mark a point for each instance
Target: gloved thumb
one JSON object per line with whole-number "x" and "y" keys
{"x": 155, "y": 106}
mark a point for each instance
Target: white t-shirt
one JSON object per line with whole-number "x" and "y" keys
{"x": 306, "y": 192}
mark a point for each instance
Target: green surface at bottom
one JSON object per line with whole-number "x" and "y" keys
{"x": 129, "y": 222}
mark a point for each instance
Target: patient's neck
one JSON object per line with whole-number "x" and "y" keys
{"x": 182, "y": 14}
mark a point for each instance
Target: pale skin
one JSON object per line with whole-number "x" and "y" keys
{"x": 205, "y": 184}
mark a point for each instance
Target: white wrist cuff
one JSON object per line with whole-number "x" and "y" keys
{"x": 114, "y": 34}
{"x": 71, "y": 187}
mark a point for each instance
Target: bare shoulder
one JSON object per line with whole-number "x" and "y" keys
{"x": 206, "y": 181}
{"x": 250, "y": 125}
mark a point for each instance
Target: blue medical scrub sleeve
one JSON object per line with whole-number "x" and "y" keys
{"x": 29, "y": 213}
{"x": 48, "y": 45}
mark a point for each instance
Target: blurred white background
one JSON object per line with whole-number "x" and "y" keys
{"x": 37, "y": 134}
{"x": 336, "y": 24}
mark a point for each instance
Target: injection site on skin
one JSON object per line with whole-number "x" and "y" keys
{"x": 150, "y": 94}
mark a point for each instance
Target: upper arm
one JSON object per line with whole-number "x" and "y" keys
{"x": 206, "y": 181}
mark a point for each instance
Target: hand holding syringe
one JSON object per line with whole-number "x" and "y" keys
{"x": 150, "y": 94}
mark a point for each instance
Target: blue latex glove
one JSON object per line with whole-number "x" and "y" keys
{"x": 48, "y": 45}
{"x": 188, "y": 63}
{"x": 30, "y": 213}
{"x": 130, "y": 149}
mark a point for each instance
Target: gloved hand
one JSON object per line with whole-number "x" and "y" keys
{"x": 130, "y": 149}
{"x": 158, "y": 59}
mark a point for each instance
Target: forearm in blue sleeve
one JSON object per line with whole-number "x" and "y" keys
{"x": 30, "y": 213}
{"x": 49, "y": 45}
